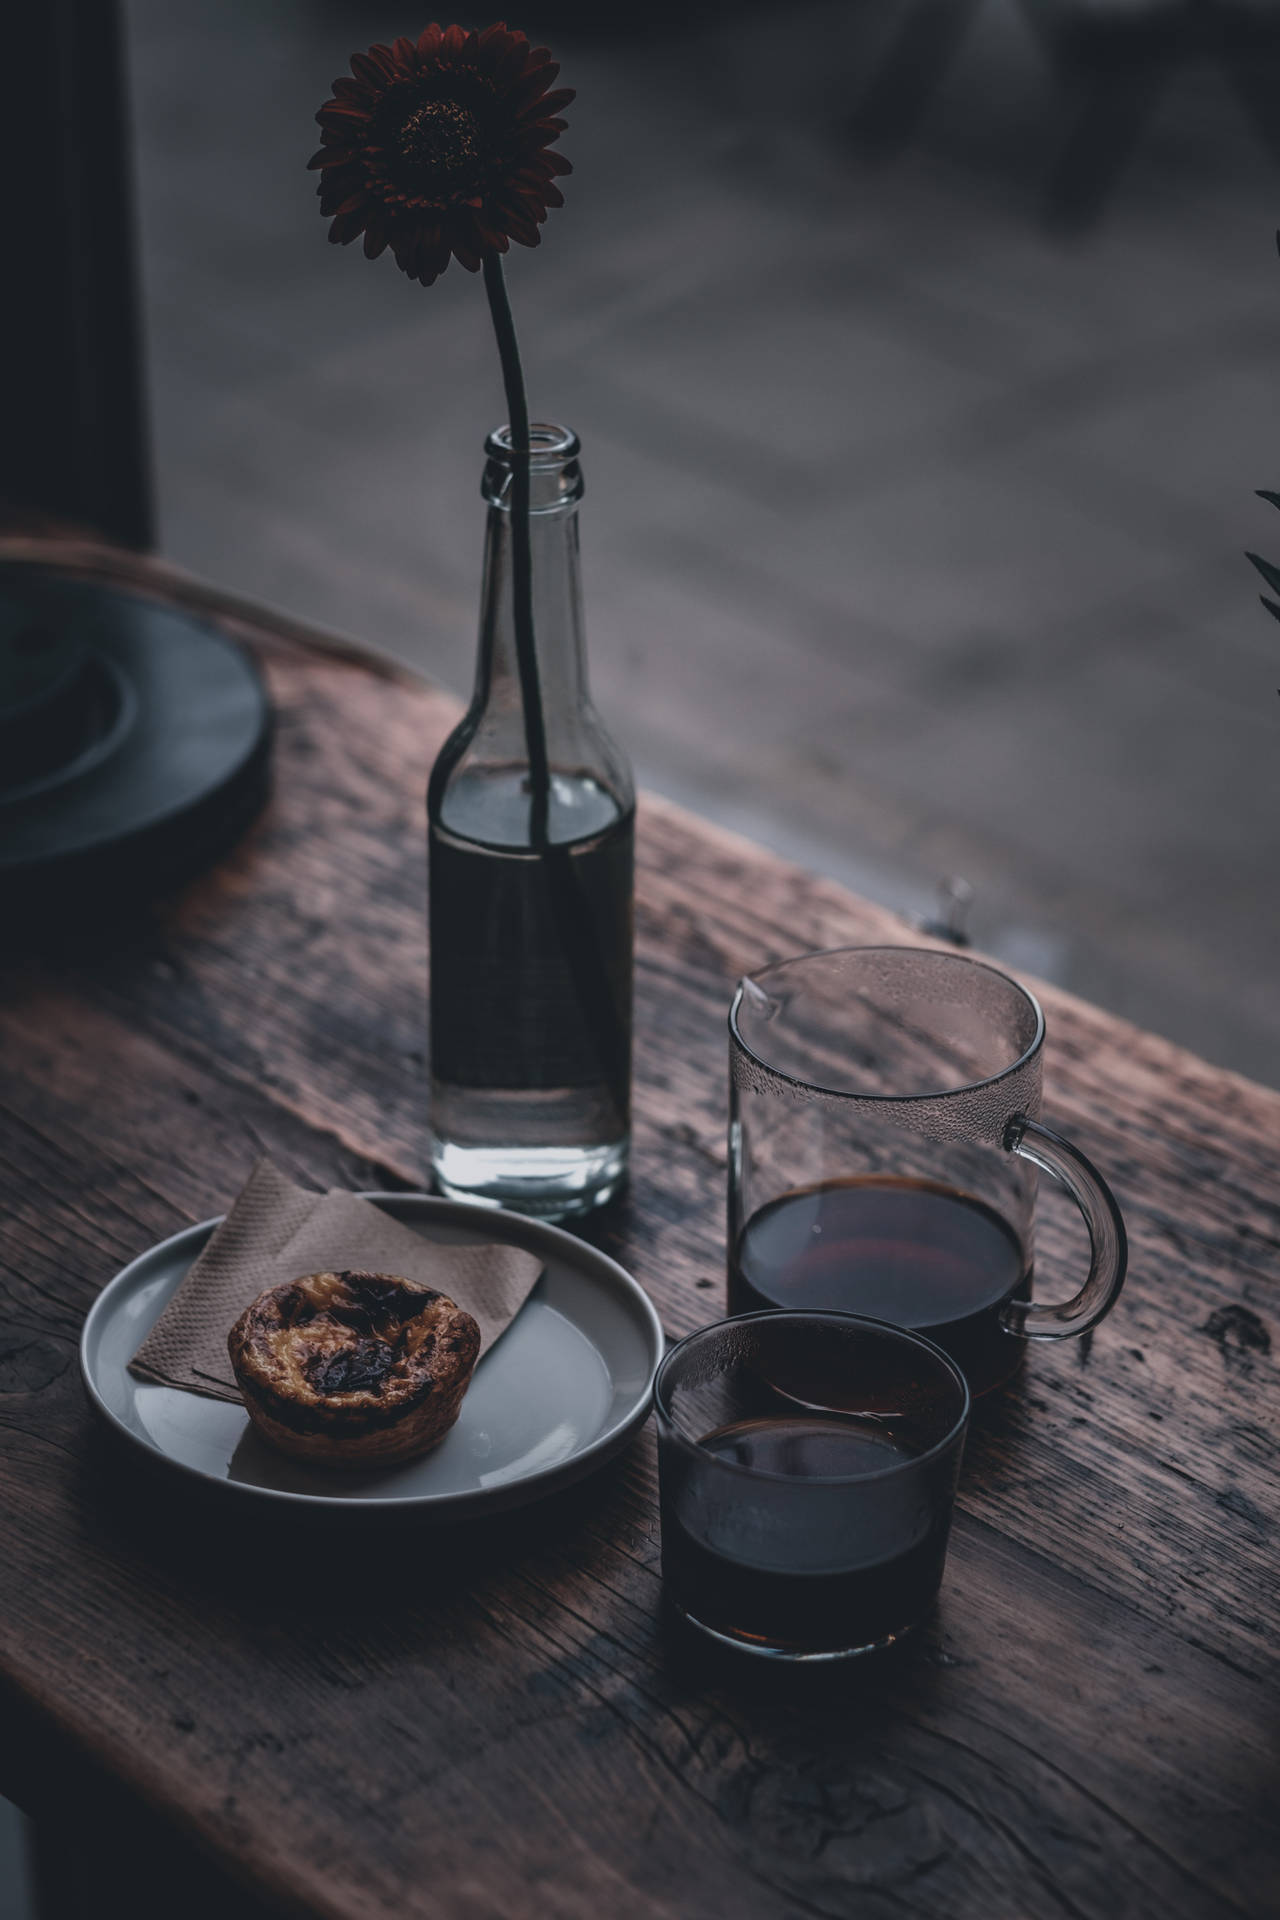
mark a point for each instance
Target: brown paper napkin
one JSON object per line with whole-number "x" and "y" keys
{"x": 277, "y": 1232}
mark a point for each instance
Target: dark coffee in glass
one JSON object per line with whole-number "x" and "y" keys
{"x": 808, "y": 1467}
{"x": 884, "y": 1146}
{"x": 922, "y": 1255}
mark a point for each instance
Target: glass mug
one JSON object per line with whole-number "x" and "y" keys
{"x": 884, "y": 1144}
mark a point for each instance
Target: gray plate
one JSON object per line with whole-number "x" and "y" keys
{"x": 560, "y": 1393}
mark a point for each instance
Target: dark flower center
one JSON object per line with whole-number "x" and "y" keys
{"x": 440, "y": 141}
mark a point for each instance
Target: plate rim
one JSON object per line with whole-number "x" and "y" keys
{"x": 544, "y": 1481}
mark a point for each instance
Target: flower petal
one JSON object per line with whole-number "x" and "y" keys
{"x": 335, "y": 190}
{"x": 376, "y": 66}
{"x": 384, "y": 60}
{"x": 434, "y": 260}
{"x": 526, "y": 95}
{"x": 511, "y": 66}
{"x": 338, "y": 116}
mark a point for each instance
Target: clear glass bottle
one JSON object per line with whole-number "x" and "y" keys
{"x": 531, "y": 910}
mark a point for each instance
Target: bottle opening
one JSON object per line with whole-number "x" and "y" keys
{"x": 549, "y": 445}
{"x": 555, "y": 475}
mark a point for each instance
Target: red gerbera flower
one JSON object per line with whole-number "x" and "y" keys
{"x": 439, "y": 147}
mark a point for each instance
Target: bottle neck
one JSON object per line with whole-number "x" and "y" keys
{"x": 557, "y": 613}
{"x": 555, "y": 490}
{"x": 483, "y": 786}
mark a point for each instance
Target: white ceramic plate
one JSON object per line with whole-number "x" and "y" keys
{"x": 562, "y": 1391}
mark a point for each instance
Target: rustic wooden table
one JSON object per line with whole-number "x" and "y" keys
{"x": 499, "y": 1724}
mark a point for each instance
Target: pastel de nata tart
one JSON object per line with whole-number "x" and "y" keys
{"x": 353, "y": 1369}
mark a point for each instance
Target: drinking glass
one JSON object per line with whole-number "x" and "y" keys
{"x": 884, "y": 1144}
{"x": 808, "y": 1466}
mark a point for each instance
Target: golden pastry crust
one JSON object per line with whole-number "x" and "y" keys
{"x": 353, "y": 1369}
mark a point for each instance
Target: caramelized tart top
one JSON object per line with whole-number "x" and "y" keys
{"x": 350, "y": 1349}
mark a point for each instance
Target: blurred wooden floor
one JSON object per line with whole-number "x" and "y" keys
{"x": 913, "y": 535}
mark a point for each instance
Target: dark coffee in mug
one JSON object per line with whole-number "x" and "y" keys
{"x": 915, "y": 1253}
{"x": 885, "y": 1145}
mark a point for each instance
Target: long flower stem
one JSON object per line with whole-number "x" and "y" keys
{"x": 575, "y": 922}
{"x": 535, "y": 730}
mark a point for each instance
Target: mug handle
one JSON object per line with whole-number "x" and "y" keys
{"x": 1038, "y": 1320}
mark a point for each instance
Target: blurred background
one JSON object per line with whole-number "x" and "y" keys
{"x": 925, "y": 354}
{"x": 925, "y": 358}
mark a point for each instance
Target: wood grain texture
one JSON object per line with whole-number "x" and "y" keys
{"x": 504, "y": 1725}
